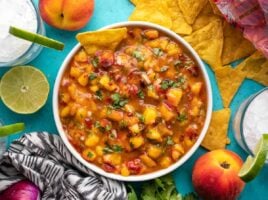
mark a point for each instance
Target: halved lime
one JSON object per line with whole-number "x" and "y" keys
{"x": 24, "y": 89}
{"x": 253, "y": 165}
{"x": 11, "y": 129}
{"x": 36, "y": 38}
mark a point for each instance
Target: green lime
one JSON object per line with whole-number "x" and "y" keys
{"x": 253, "y": 165}
{"x": 36, "y": 38}
{"x": 24, "y": 89}
{"x": 11, "y": 129}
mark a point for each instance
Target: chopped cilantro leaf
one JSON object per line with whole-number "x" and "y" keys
{"x": 90, "y": 154}
{"x": 108, "y": 128}
{"x": 181, "y": 117}
{"x": 138, "y": 55}
{"x": 165, "y": 84}
{"x": 140, "y": 94}
{"x": 99, "y": 95}
{"x": 112, "y": 149}
{"x": 169, "y": 140}
{"x": 95, "y": 61}
{"x": 158, "y": 51}
{"x": 141, "y": 117}
{"x": 118, "y": 101}
{"x": 92, "y": 76}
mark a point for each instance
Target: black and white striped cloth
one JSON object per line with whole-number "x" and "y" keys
{"x": 44, "y": 159}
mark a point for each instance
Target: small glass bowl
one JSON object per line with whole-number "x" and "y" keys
{"x": 239, "y": 121}
{"x": 34, "y": 50}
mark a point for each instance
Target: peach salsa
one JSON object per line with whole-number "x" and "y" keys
{"x": 136, "y": 109}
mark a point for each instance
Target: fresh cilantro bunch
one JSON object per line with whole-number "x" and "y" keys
{"x": 160, "y": 189}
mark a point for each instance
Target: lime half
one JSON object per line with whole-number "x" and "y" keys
{"x": 36, "y": 38}
{"x": 11, "y": 129}
{"x": 24, "y": 89}
{"x": 253, "y": 165}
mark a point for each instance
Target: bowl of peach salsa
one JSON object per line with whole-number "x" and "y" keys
{"x": 132, "y": 101}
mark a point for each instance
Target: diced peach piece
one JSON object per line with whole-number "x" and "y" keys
{"x": 92, "y": 140}
{"x": 89, "y": 155}
{"x": 147, "y": 160}
{"x": 196, "y": 87}
{"x": 153, "y": 134}
{"x": 174, "y": 96}
{"x": 154, "y": 151}
{"x": 136, "y": 141}
{"x": 166, "y": 113}
{"x": 151, "y": 34}
{"x": 83, "y": 79}
{"x": 113, "y": 158}
{"x": 165, "y": 161}
{"x": 150, "y": 115}
{"x": 116, "y": 115}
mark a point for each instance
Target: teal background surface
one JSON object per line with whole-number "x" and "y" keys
{"x": 49, "y": 61}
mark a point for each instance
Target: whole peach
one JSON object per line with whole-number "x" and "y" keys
{"x": 66, "y": 14}
{"x": 215, "y": 175}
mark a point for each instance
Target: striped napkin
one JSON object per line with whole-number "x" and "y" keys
{"x": 44, "y": 159}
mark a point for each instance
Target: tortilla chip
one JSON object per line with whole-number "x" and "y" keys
{"x": 216, "y": 137}
{"x": 135, "y": 2}
{"x": 205, "y": 17}
{"x": 256, "y": 68}
{"x": 103, "y": 39}
{"x": 215, "y": 9}
{"x": 179, "y": 25}
{"x": 208, "y": 42}
{"x": 152, "y": 11}
{"x": 235, "y": 46}
{"x": 191, "y": 9}
{"x": 229, "y": 80}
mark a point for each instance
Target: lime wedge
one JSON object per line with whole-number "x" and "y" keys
{"x": 253, "y": 165}
{"x": 36, "y": 38}
{"x": 11, "y": 129}
{"x": 24, "y": 89}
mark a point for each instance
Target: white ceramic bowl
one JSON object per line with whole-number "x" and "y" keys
{"x": 156, "y": 173}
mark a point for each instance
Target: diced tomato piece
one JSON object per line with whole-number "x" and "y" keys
{"x": 133, "y": 89}
{"x": 134, "y": 165}
{"x": 108, "y": 167}
{"x": 88, "y": 122}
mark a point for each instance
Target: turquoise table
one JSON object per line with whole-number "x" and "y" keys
{"x": 49, "y": 61}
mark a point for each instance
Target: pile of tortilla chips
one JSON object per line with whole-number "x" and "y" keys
{"x": 217, "y": 43}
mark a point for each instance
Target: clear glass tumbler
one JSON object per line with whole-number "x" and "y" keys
{"x": 33, "y": 51}
{"x": 251, "y": 120}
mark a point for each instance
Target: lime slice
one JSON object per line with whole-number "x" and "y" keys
{"x": 36, "y": 38}
{"x": 11, "y": 129}
{"x": 24, "y": 89}
{"x": 253, "y": 165}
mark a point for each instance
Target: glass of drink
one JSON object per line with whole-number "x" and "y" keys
{"x": 22, "y": 14}
{"x": 251, "y": 120}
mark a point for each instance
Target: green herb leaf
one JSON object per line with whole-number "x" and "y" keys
{"x": 90, "y": 154}
{"x": 140, "y": 94}
{"x": 165, "y": 84}
{"x": 178, "y": 64}
{"x": 158, "y": 52}
{"x": 123, "y": 124}
{"x": 95, "y": 61}
{"x": 181, "y": 117}
{"x": 99, "y": 95}
{"x": 169, "y": 141}
{"x": 160, "y": 189}
{"x": 92, "y": 76}
{"x": 118, "y": 101}
{"x": 131, "y": 194}
{"x": 112, "y": 149}
{"x": 141, "y": 117}
{"x": 138, "y": 55}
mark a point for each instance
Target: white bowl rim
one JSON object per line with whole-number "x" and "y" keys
{"x": 152, "y": 175}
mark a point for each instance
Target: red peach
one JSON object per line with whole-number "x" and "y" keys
{"x": 215, "y": 175}
{"x": 66, "y": 14}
